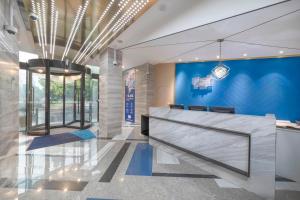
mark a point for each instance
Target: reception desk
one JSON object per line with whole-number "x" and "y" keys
{"x": 243, "y": 144}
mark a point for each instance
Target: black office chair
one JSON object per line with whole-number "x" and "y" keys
{"x": 219, "y": 109}
{"x": 198, "y": 108}
{"x": 174, "y": 106}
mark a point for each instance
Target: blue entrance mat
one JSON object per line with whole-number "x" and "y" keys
{"x": 52, "y": 140}
{"x": 84, "y": 134}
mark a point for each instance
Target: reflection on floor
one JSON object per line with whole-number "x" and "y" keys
{"x": 127, "y": 166}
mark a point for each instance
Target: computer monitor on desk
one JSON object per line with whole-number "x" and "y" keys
{"x": 222, "y": 109}
{"x": 198, "y": 108}
{"x": 174, "y": 106}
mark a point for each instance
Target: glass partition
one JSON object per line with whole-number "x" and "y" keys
{"x": 22, "y": 99}
{"x": 88, "y": 102}
{"x": 94, "y": 99}
{"x": 36, "y": 102}
{"x": 56, "y": 100}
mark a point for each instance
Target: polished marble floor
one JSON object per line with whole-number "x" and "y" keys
{"x": 127, "y": 166}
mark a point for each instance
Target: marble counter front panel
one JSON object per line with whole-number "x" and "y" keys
{"x": 223, "y": 138}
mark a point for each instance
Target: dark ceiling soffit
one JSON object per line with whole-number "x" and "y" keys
{"x": 61, "y": 42}
{"x": 24, "y": 14}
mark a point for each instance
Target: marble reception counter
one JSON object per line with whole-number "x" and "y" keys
{"x": 243, "y": 144}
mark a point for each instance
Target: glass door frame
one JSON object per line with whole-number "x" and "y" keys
{"x": 96, "y": 77}
{"x": 69, "y": 69}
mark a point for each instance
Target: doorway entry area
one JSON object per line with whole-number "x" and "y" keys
{"x": 59, "y": 94}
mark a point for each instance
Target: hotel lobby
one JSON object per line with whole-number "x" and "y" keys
{"x": 149, "y": 100}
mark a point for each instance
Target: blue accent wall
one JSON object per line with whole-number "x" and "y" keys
{"x": 254, "y": 87}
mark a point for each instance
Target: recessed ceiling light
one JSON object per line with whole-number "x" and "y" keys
{"x": 245, "y": 55}
{"x": 65, "y": 189}
{"x": 39, "y": 189}
{"x": 40, "y": 70}
{"x": 281, "y": 52}
{"x": 218, "y": 57}
{"x": 66, "y": 70}
{"x": 123, "y": 66}
{"x": 179, "y": 60}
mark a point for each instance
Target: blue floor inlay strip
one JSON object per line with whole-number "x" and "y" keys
{"x": 98, "y": 199}
{"x": 51, "y": 140}
{"x": 84, "y": 134}
{"x": 141, "y": 161}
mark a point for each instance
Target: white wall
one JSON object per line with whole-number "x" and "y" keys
{"x": 288, "y": 154}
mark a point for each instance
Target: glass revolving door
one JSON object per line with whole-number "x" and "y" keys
{"x": 36, "y": 94}
{"x": 58, "y": 96}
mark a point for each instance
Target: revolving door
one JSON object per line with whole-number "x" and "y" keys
{"x": 58, "y": 95}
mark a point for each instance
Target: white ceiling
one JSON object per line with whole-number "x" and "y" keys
{"x": 283, "y": 32}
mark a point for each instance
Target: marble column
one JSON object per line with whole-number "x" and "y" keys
{"x": 9, "y": 91}
{"x": 110, "y": 92}
{"x": 143, "y": 90}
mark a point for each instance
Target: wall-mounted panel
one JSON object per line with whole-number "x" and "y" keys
{"x": 255, "y": 87}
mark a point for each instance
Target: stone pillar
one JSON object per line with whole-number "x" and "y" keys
{"x": 110, "y": 93}
{"x": 9, "y": 92}
{"x": 143, "y": 90}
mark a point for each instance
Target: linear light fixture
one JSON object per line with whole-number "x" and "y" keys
{"x": 93, "y": 30}
{"x": 108, "y": 24}
{"x": 41, "y": 27}
{"x": 36, "y": 23}
{"x": 51, "y": 25}
{"x": 123, "y": 20}
{"x": 84, "y": 52}
{"x": 77, "y": 21}
{"x": 44, "y": 21}
{"x": 54, "y": 35}
{"x": 131, "y": 14}
{"x": 72, "y": 29}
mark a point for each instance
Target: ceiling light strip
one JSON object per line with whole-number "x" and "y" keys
{"x": 109, "y": 23}
{"x": 51, "y": 26}
{"x": 54, "y": 35}
{"x": 99, "y": 45}
{"x": 95, "y": 27}
{"x": 84, "y": 52}
{"x": 41, "y": 27}
{"x": 126, "y": 13}
{"x": 77, "y": 26}
{"x": 36, "y": 22}
{"x": 44, "y": 21}
{"x": 38, "y": 32}
{"x": 72, "y": 29}
{"x": 133, "y": 12}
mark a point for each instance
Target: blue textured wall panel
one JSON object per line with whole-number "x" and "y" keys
{"x": 254, "y": 87}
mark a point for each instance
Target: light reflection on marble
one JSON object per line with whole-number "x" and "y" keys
{"x": 166, "y": 158}
{"x": 31, "y": 176}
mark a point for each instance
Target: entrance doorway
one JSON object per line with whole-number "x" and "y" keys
{"x": 59, "y": 95}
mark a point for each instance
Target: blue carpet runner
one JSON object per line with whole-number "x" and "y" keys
{"x": 52, "y": 140}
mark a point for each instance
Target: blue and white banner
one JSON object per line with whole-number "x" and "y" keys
{"x": 130, "y": 96}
